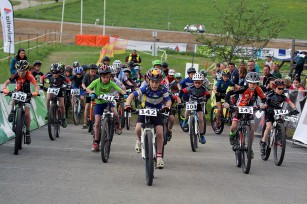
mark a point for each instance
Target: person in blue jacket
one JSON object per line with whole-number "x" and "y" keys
{"x": 21, "y": 55}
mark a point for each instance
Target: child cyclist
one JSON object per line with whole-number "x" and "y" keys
{"x": 220, "y": 91}
{"x": 76, "y": 81}
{"x": 199, "y": 93}
{"x": 23, "y": 78}
{"x": 249, "y": 97}
{"x": 155, "y": 95}
{"x": 102, "y": 85}
{"x": 186, "y": 82}
{"x": 275, "y": 100}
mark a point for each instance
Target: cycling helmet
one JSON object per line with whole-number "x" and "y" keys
{"x": 22, "y": 65}
{"x": 226, "y": 72}
{"x": 76, "y": 64}
{"x": 203, "y": 72}
{"x": 106, "y": 58}
{"x": 117, "y": 64}
{"x": 85, "y": 67}
{"x": 126, "y": 70}
{"x": 164, "y": 65}
{"x": 68, "y": 69}
{"x": 155, "y": 74}
{"x": 137, "y": 68}
{"x": 104, "y": 69}
{"x": 171, "y": 72}
{"x": 113, "y": 70}
{"x": 78, "y": 70}
{"x": 252, "y": 77}
{"x": 37, "y": 62}
{"x": 198, "y": 77}
{"x": 156, "y": 62}
{"x": 54, "y": 68}
{"x": 191, "y": 69}
{"x": 131, "y": 64}
{"x": 93, "y": 66}
{"x": 178, "y": 75}
{"x": 279, "y": 82}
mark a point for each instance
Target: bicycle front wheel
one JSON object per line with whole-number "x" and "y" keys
{"x": 19, "y": 130}
{"x": 192, "y": 133}
{"x": 218, "y": 129}
{"x": 279, "y": 144}
{"x": 237, "y": 151}
{"x": 149, "y": 157}
{"x": 52, "y": 122}
{"x": 181, "y": 118}
{"x": 76, "y": 111}
{"x": 105, "y": 141}
{"x": 246, "y": 148}
{"x": 121, "y": 114}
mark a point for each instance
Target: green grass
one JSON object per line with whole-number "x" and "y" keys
{"x": 155, "y": 14}
{"x": 14, "y": 3}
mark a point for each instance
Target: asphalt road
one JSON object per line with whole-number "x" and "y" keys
{"x": 65, "y": 171}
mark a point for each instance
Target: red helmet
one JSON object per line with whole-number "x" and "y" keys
{"x": 104, "y": 69}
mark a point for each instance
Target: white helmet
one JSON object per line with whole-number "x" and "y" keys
{"x": 117, "y": 64}
{"x": 171, "y": 72}
{"x": 252, "y": 77}
{"x": 198, "y": 77}
{"x": 113, "y": 70}
{"x": 137, "y": 68}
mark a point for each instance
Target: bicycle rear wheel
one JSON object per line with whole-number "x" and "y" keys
{"x": 105, "y": 142}
{"x": 19, "y": 130}
{"x": 267, "y": 153}
{"x": 192, "y": 133}
{"x": 217, "y": 129}
{"x": 76, "y": 111}
{"x": 279, "y": 144}
{"x": 246, "y": 148}
{"x": 52, "y": 122}
{"x": 149, "y": 158}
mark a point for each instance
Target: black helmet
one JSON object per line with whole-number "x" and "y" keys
{"x": 191, "y": 69}
{"x": 164, "y": 65}
{"x": 93, "y": 66}
{"x": 76, "y": 64}
{"x": 203, "y": 72}
{"x": 104, "y": 69}
{"x": 85, "y": 67}
{"x": 22, "y": 65}
{"x": 55, "y": 68}
{"x": 106, "y": 58}
{"x": 131, "y": 64}
{"x": 37, "y": 62}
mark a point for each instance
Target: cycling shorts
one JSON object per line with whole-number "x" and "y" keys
{"x": 269, "y": 115}
{"x": 236, "y": 116}
{"x": 99, "y": 108}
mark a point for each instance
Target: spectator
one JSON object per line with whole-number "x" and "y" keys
{"x": 242, "y": 74}
{"x": 135, "y": 57}
{"x": 296, "y": 86}
{"x": 234, "y": 73}
{"x": 251, "y": 66}
{"x": 21, "y": 55}
{"x": 301, "y": 59}
{"x": 275, "y": 71}
{"x": 217, "y": 74}
{"x": 267, "y": 75}
{"x": 36, "y": 70}
{"x": 287, "y": 81}
{"x": 269, "y": 60}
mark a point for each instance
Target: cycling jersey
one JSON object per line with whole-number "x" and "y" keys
{"x": 197, "y": 94}
{"x": 170, "y": 79}
{"x": 37, "y": 75}
{"x": 173, "y": 87}
{"x": 76, "y": 81}
{"x": 56, "y": 82}
{"x": 153, "y": 99}
{"x": 186, "y": 82}
{"x": 248, "y": 96}
{"x": 23, "y": 84}
{"x": 223, "y": 85}
{"x": 275, "y": 100}
{"x": 119, "y": 84}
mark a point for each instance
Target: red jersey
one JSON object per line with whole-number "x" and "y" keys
{"x": 23, "y": 84}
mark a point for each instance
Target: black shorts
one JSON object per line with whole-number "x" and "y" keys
{"x": 158, "y": 120}
{"x": 219, "y": 98}
{"x": 269, "y": 115}
{"x": 88, "y": 99}
{"x": 236, "y": 116}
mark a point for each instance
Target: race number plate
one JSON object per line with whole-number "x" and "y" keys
{"x": 54, "y": 91}
{"x": 246, "y": 109}
{"x": 280, "y": 112}
{"x": 75, "y": 91}
{"x": 19, "y": 96}
{"x": 148, "y": 112}
{"x": 128, "y": 90}
{"x": 191, "y": 106}
{"x": 106, "y": 97}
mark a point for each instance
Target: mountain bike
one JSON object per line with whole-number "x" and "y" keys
{"x": 19, "y": 126}
{"x": 91, "y": 118}
{"x": 106, "y": 128}
{"x": 242, "y": 144}
{"x": 277, "y": 137}
{"x": 54, "y": 114}
{"x": 225, "y": 117}
{"x": 76, "y": 107}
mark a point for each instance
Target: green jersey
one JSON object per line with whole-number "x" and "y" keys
{"x": 101, "y": 88}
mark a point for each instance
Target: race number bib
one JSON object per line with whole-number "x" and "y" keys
{"x": 191, "y": 106}
{"x": 19, "y": 96}
{"x": 246, "y": 109}
{"x": 280, "y": 112}
{"x": 106, "y": 97}
{"x": 75, "y": 91}
{"x": 148, "y": 112}
{"x": 54, "y": 91}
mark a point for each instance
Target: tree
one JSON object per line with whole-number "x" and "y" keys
{"x": 242, "y": 26}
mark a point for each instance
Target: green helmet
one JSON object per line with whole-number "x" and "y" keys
{"x": 178, "y": 75}
{"x": 157, "y": 62}
{"x": 61, "y": 66}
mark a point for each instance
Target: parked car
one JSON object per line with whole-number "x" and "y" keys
{"x": 195, "y": 28}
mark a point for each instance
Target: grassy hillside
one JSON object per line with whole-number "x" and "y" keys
{"x": 156, "y": 13}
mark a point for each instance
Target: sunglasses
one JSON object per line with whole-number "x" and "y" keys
{"x": 78, "y": 74}
{"x": 198, "y": 82}
{"x": 280, "y": 89}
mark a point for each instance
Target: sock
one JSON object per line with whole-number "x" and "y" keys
{"x": 159, "y": 155}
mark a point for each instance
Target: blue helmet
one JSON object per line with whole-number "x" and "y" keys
{"x": 78, "y": 70}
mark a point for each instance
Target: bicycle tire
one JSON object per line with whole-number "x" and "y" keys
{"x": 237, "y": 150}
{"x": 58, "y": 122}
{"x": 127, "y": 120}
{"x": 267, "y": 150}
{"x": 192, "y": 133}
{"x": 181, "y": 118}
{"x": 165, "y": 132}
{"x": 217, "y": 130}
{"x": 52, "y": 124}
{"x": 149, "y": 158}
{"x": 75, "y": 112}
{"x": 280, "y": 141}
{"x": 19, "y": 128}
{"x": 205, "y": 125}
{"x": 104, "y": 138}
{"x": 121, "y": 114}
{"x": 246, "y": 147}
